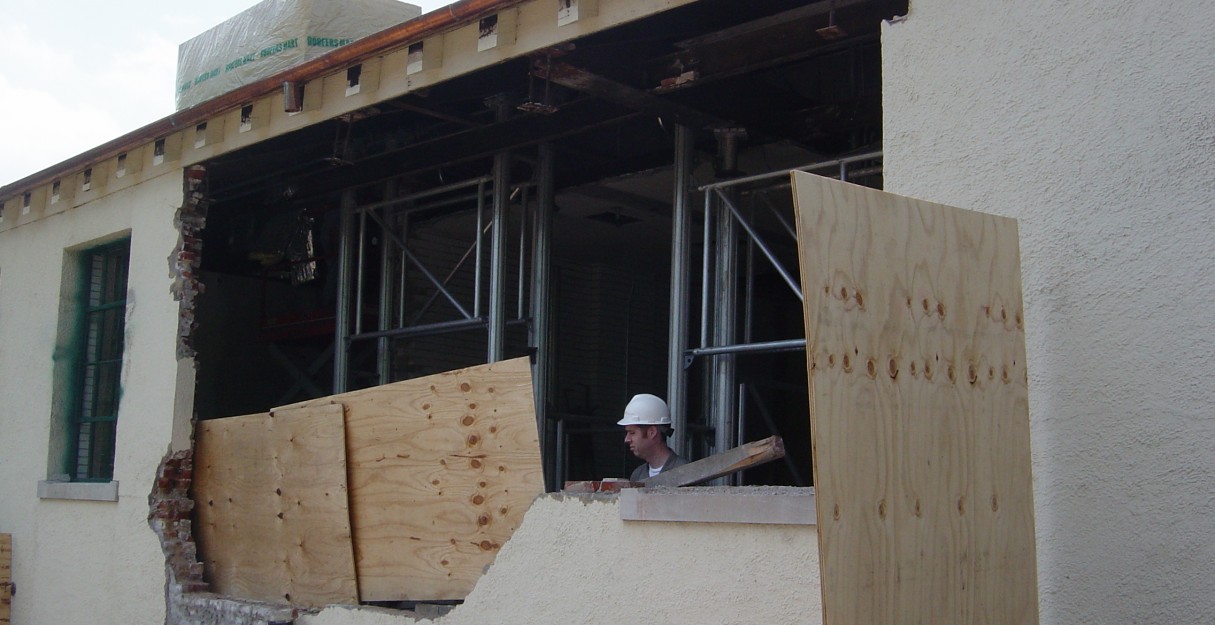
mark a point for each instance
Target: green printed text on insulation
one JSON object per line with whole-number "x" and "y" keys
{"x": 279, "y": 47}
{"x": 326, "y": 42}
{"x": 206, "y": 76}
{"x": 248, "y": 58}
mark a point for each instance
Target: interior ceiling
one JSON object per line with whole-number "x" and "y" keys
{"x": 788, "y": 72}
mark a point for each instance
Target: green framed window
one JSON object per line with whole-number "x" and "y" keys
{"x": 101, "y": 325}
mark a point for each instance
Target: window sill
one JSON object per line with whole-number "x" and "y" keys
{"x": 780, "y": 505}
{"x": 78, "y": 491}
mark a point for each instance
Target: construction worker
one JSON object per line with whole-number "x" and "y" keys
{"x": 647, "y": 423}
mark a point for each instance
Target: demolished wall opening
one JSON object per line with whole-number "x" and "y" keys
{"x": 274, "y": 233}
{"x": 406, "y": 190}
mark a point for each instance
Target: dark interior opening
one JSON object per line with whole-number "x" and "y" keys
{"x": 802, "y": 82}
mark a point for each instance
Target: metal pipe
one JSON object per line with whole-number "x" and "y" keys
{"x": 497, "y": 275}
{"x": 767, "y": 416}
{"x": 723, "y": 388}
{"x": 740, "y": 424}
{"x": 341, "y": 351}
{"x": 383, "y": 362}
{"x": 677, "y": 337}
{"x": 480, "y": 236}
{"x": 541, "y": 270}
{"x": 359, "y": 273}
{"x": 522, "y": 249}
{"x": 705, "y": 273}
{"x": 787, "y": 345}
{"x": 421, "y": 267}
{"x": 785, "y": 172}
{"x": 748, "y": 318}
{"x": 427, "y": 329}
{"x": 763, "y": 246}
{"x": 433, "y": 191}
{"x": 401, "y": 267}
{"x": 784, "y": 222}
{"x": 451, "y": 274}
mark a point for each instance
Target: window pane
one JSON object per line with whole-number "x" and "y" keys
{"x": 95, "y": 455}
{"x": 104, "y": 334}
{"x": 100, "y": 360}
{"x": 107, "y": 389}
{"x": 115, "y": 284}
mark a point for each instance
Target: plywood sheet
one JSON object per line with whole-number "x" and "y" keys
{"x": 6, "y": 578}
{"x": 919, "y": 409}
{"x": 442, "y": 469}
{"x": 272, "y": 509}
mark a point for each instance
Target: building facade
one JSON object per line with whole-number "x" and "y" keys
{"x": 1089, "y": 124}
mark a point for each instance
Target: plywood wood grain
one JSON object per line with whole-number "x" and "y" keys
{"x": 442, "y": 469}
{"x": 6, "y": 578}
{"x": 919, "y": 409}
{"x": 272, "y": 509}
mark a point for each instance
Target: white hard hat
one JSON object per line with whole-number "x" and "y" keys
{"x": 646, "y": 409}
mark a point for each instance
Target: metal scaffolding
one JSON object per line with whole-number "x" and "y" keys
{"x": 722, "y": 280}
{"x": 730, "y": 241}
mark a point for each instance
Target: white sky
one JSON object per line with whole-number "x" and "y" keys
{"x": 77, "y": 73}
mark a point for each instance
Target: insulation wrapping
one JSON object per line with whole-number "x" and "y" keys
{"x": 273, "y": 36}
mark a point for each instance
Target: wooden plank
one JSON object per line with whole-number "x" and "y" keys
{"x": 919, "y": 409}
{"x": 272, "y": 508}
{"x": 6, "y": 579}
{"x": 442, "y": 469}
{"x": 742, "y": 457}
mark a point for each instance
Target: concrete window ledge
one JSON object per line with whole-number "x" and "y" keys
{"x": 78, "y": 491}
{"x": 782, "y": 505}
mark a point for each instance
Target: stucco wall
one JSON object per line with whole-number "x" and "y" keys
{"x": 573, "y": 560}
{"x": 87, "y": 561}
{"x": 1091, "y": 123}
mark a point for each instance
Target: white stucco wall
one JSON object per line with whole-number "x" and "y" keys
{"x": 1093, "y": 124}
{"x": 574, "y": 560}
{"x": 87, "y": 561}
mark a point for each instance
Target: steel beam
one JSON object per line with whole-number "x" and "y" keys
{"x": 681, "y": 241}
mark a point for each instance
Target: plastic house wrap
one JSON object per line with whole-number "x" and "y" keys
{"x": 275, "y": 35}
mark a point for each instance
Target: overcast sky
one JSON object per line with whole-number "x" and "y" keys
{"x": 77, "y": 73}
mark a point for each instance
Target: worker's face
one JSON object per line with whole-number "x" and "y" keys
{"x": 640, "y": 438}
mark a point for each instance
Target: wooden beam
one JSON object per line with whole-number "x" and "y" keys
{"x": 727, "y": 462}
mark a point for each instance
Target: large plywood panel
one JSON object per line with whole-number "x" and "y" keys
{"x": 442, "y": 469}
{"x": 272, "y": 509}
{"x": 919, "y": 409}
{"x": 6, "y": 578}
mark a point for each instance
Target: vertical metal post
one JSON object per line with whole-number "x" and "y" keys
{"x": 341, "y": 339}
{"x": 725, "y": 291}
{"x": 402, "y": 259}
{"x": 725, "y": 313}
{"x": 677, "y": 342}
{"x": 382, "y": 344}
{"x": 360, "y": 273}
{"x": 522, "y": 251}
{"x": 541, "y": 258}
{"x": 706, "y": 269}
{"x": 748, "y": 318}
{"x": 497, "y": 268}
{"x": 480, "y": 235}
